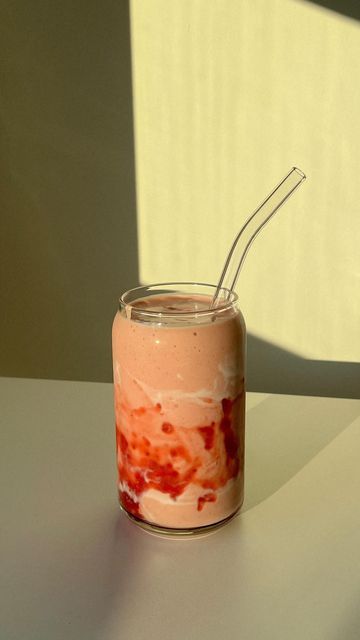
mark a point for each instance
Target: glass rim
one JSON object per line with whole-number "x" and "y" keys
{"x": 232, "y": 299}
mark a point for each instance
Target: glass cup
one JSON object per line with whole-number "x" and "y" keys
{"x": 179, "y": 368}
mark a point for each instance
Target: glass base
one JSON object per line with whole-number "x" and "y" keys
{"x": 186, "y": 534}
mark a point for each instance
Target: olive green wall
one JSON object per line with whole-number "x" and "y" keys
{"x": 68, "y": 242}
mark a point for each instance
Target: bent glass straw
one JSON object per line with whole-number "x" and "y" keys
{"x": 252, "y": 228}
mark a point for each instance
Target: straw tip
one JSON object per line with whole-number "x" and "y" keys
{"x": 301, "y": 173}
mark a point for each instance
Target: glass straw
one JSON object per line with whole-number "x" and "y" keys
{"x": 252, "y": 227}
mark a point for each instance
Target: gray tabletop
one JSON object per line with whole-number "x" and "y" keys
{"x": 73, "y": 566}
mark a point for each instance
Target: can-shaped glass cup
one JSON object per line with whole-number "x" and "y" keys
{"x": 179, "y": 384}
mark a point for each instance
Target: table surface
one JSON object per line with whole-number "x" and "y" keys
{"x": 74, "y": 567}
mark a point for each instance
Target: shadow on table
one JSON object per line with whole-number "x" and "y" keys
{"x": 282, "y": 437}
{"x": 76, "y": 573}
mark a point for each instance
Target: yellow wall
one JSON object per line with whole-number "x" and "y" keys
{"x": 228, "y": 96}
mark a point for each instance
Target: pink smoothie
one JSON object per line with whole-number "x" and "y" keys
{"x": 179, "y": 404}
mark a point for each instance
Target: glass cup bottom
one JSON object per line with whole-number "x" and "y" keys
{"x": 188, "y": 533}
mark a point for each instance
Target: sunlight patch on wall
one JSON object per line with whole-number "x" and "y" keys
{"x": 227, "y": 97}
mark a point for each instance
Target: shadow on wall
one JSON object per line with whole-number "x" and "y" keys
{"x": 349, "y": 8}
{"x": 274, "y": 370}
{"x": 68, "y": 237}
